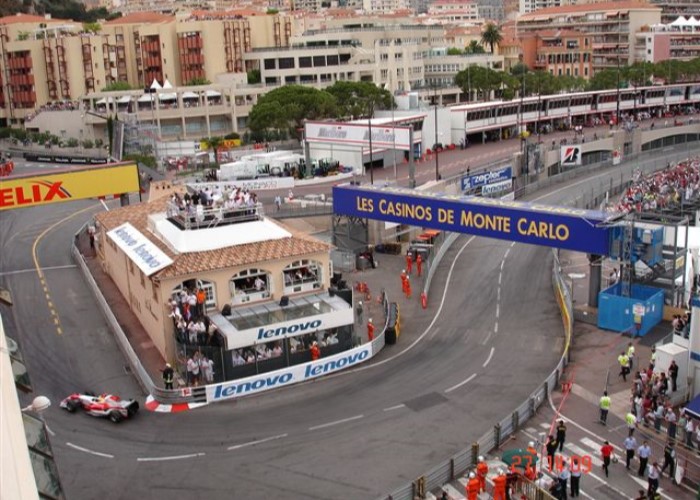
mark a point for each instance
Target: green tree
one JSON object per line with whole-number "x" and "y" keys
{"x": 112, "y": 87}
{"x": 354, "y": 99}
{"x": 92, "y": 27}
{"x": 480, "y": 79}
{"x": 474, "y": 47}
{"x": 605, "y": 79}
{"x": 88, "y": 144}
{"x": 288, "y": 107}
{"x": 454, "y": 51}
{"x": 213, "y": 144}
{"x": 491, "y": 36}
{"x": 254, "y": 77}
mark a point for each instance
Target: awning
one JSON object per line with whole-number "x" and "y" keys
{"x": 146, "y": 98}
{"x": 611, "y": 13}
{"x": 190, "y": 95}
{"x": 101, "y": 101}
{"x": 167, "y": 97}
{"x": 693, "y": 408}
{"x": 124, "y": 99}
{"x": 213, "y": 93}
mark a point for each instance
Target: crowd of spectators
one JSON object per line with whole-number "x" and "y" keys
{"x": 663, "y": 189}
{"x": 273, "y": 350}
{"x": 226, "y": 198}
{"x": 55, "y": 106}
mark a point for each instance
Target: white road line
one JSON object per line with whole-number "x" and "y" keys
{"x": 96, "y": 453}
{"x": 580, "y": 452}
{"x": 498, "y": 295}
{"x": 488, "y": 360}
{"x": 471, "y": 377}
{"x": 104, "y": 204}
{"x": 33, "y": 270}
{"x": 503, "y": 263}
{"x": 512, "y": 245}
{"x": 397, "y": 407}
{"x": 259, "y": 441}
{"x": 498, "y": 310}
{"x": 174, "y": 457}
{"x": 495, "y": 327}
{"x": 505, "y": 256}
{"x": 500, "y": 277}
{"x": 330, "y": 424}
{"x": 644, "y": 483}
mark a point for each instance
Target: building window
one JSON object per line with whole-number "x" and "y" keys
{"x": 302, "y": 276}
{"x": 250, "y": 285}
{"x": 190, "y": 287}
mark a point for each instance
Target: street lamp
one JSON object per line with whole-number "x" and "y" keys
{"x": 437, "y": 149}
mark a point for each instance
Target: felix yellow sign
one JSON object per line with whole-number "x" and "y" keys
{"x": 78, "y": 184}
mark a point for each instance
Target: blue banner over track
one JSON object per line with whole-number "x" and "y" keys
{"x": 533, "y": 223}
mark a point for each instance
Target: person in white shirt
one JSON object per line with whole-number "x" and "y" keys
{"x": 236, "y": 358}
{"x": 276, "y": 351}
{"x": 259, "y": 284}
{"x": 653, "y": 476}
{"x": 207, "y": 367}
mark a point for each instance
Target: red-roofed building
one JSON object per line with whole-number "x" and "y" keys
{"x": 610, "y": 26}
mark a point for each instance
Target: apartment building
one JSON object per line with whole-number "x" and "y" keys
{"x": 48, "y": 60}
{"x": 559, "y": 52}
{"x": 454, "y": 11}
{"x": 672, "y": 9}
{"x": 610, "y": 26}
{"x": 383, "y": 6}
{"x": 679, "y": 40}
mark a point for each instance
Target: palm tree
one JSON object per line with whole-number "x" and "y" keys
{"x": 491, "y": 35}
{"x": 214, "y": 143}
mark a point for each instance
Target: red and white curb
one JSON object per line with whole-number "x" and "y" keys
{"x": 156, "y": 406}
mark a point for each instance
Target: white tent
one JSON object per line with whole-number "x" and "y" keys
{"x": 681, "y": 21}
{"x": 101, "y": 101}
{"x": 167, "y": 96}
{"x": 189, "y": 95}
{"x": 213, "y": 93}
{"x": 146, "y": 98}
{"x": 693, "y": 22}
{"x": 167, "y": 84}
{"x": 124, "y": 99}
{"x": 155, "y": 84}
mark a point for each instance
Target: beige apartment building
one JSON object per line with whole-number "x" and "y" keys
{"x": 678, "y": 40}
{"x": 611, "y": 27}
{"x": 45, "y": 60}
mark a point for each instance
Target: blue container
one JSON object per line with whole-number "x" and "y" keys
{"x": 617, "y": 313}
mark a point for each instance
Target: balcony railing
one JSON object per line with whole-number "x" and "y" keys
{"x": 203, "y": 218}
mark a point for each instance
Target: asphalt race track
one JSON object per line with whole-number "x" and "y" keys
{"x": 359, "y": 434}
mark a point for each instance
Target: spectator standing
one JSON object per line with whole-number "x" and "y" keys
{"x": 561, "y": 435}
{"x": 630, "y": 355}
{"x": 207, "y": 366}
{"x": 551, "y": 446}
{"x": 669, "y": 459}
{"x": 359, "y": 310}
{"x": 673, "y": 374}
{"x": 624, "y": 362}
{"x": 409, "y": 262}
{"x": 575, "y": 475}
{"x": 564, "y": 476}
{"x": 653, "y": 477}
{"x": 671, "y": 421}
{"x": 606, "y": 451}
{"x": 604, "y": 407}
{"x": 689, "y": 432}
{"x": 644, "y": 453}
{"x": 630, "y": 445}
{"x": 652, "y": 357}
{"x": 370, "y": 330}
{"x": 278, "y": 202}
{"x": 631, "y": 421}
{"x": 168, "y": 376}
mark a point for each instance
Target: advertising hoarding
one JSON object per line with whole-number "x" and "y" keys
{"x": 533, "y": 223}
{"x": 357, "y": 134}
{"x": 484, "y": 178}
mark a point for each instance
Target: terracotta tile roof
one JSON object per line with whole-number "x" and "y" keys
{"x": 590, "y": 7}
{"x": 142, "y": 18}
{"x": 28, "y": 18}
{"x": 198, "y": 262}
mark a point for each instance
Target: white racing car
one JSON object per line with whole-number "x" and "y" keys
{"x": 104, "y": 405}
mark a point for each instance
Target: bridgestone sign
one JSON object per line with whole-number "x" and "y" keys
{"x": 358, "y": 134}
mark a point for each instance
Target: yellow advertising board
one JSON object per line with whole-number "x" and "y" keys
{"x": 225, "y": 144}
{"x": 77, "y": 184}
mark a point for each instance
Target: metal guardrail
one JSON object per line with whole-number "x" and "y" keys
{"x": 303, "y": 209}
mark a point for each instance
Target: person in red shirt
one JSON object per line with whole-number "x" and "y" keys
{"x": 404, "y": 280}
{"x": 408, "y": 288}
{"x": 606, "y": 451}
{"x": 409, "y": 263}
{"x": 482, "y": 469}
{"x": 370, "y": 330}
{"x": 499, "y": 486}
{"x": 315, "y": 351}
{"x": 473, "y": 487}
{"x": 419, "y": 264}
